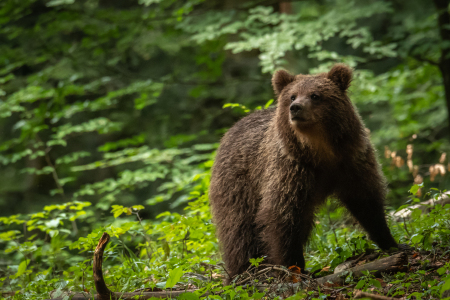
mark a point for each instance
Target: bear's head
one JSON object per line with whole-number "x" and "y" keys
{"x": 316, "y": 107}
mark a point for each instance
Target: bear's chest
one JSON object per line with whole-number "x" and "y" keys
{"x": 314, "y": 181}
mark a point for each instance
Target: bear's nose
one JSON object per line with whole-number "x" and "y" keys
{"x": 296, "y": 107}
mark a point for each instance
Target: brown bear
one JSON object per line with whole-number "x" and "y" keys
{"x": 276, "y": 166}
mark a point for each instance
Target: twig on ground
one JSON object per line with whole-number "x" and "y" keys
{"x": 373, "y": 296}
{"x": 257, "y": 274}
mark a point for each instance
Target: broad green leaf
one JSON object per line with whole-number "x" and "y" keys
{"x": 416, "y": 238}
{"x": 22, "y": 268}
{"x": 258, "y": 295}
{"x": 360, "y": 284}
{"x": 375, "y": 283}
{"x": 416, "y": 213}
{"x": 445, "y": 286}
{"x": 174, "y": 277}
{"x": 415, "y": 188}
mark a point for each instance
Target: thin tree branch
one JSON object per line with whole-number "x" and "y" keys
{"x": 423, "y": 59}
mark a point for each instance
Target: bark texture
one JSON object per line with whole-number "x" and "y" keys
{"x": 391, "y": 264}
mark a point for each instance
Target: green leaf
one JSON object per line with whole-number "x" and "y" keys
{"x": 166, "y": 249}
{"x": 117, "y": 210}
{"x": 255, "y": 261}
{"x": 188, "y": 296}
{"x": 174, "y": 277}
{"x": 375, "y": 283}
{"x": 417, "y": 295}
{"x": 360, "y": 284}
{"x": 22, "y": 267}
{"x": 427, "y": 240}
{"x": 416, "y": 213}
{"x": 415, "y": 188}
{"x": 268, "y": 103}
{"x": 138, "y": 207}
{"x": 445, "y": 286}
{"x": 60, "y": 2}
{"x": 416, "y": 238}
{"x": 9, "y": 235}
{"x": 258, "y": 295}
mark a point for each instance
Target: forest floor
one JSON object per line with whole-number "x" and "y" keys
{"x": 409, "y": 274}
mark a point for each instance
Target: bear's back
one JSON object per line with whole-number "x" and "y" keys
{"x": 240, "y": 146}
{"x": 239, "y": 153}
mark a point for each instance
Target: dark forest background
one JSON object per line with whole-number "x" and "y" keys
{"x": 84, "y": 79}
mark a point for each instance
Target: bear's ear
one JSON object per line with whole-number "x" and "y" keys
{"x": 280, "y": 80}
{"x": 341, "y": 75}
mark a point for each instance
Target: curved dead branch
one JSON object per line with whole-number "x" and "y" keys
{"x": 103, "y": 292}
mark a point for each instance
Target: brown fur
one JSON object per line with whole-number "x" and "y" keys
{"x": 272, "y": 171}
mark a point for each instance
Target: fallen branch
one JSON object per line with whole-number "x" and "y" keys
{"x": 269, "y": 268}
{"x": 424, "y": 206}
{"x": 389, "y": 264}
{"x": 373, "y": 296}
{"x": 351, "y": 263}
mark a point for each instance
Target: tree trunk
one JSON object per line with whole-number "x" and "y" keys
{"x": 444, "y": 31}
{"x": 286, "y": 8}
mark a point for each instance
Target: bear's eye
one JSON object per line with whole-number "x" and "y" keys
{"x": 293, "y": 98}
{"x": 315, "y": 97}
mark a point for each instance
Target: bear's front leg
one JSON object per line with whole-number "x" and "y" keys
{"x": 362, "y": 191}
{"x": 370, "y": 214}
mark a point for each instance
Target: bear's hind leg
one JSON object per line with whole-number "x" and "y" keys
{"x": 234, "y": 208}
{"x": 239, "y": 245}
{"x": 285, "y": 237}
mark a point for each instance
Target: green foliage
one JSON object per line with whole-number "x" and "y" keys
{"x": 274, "y": 33}
{"x": 111, "y": 113}
{"x": 174, "y": 277}
{"x": 256, "y": 261}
